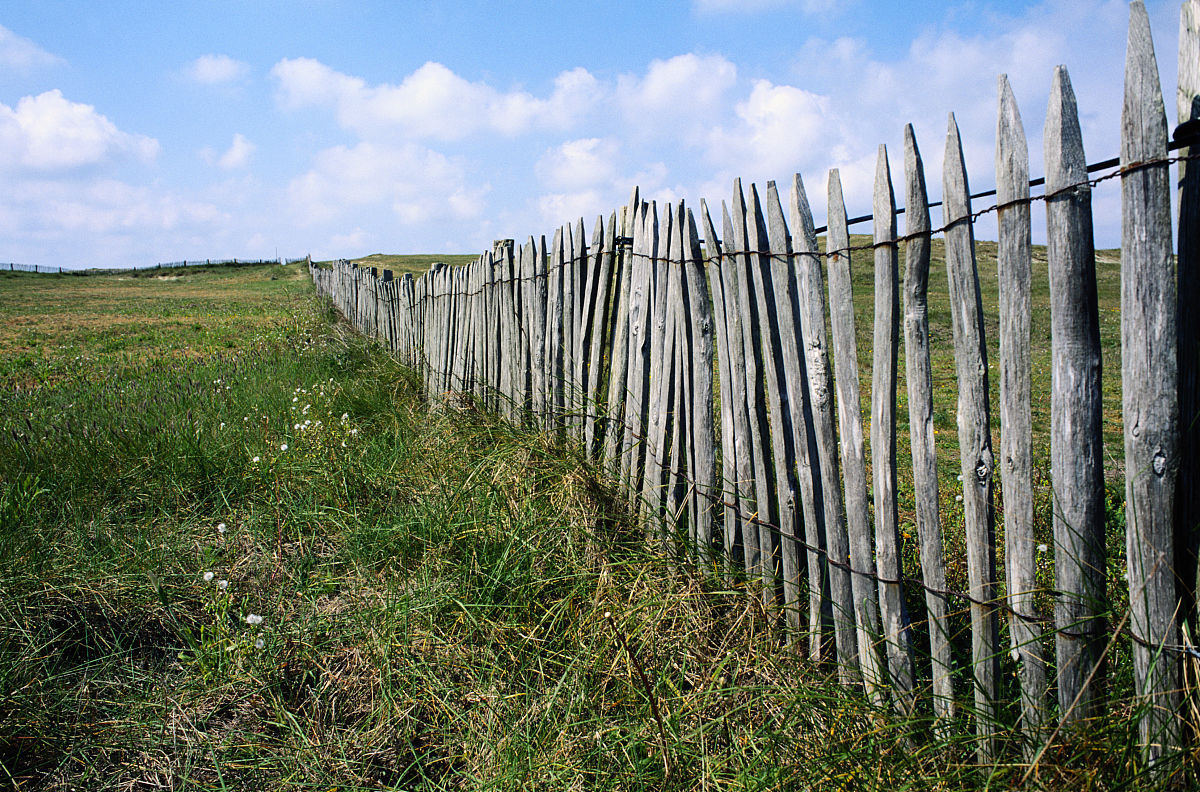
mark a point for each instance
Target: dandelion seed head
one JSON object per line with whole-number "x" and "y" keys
{"x": 253, "y": 618}
{"x": 259, "y": 643}
{"x": 283, "y": 447}
{"x": 208, "y": 576}
{"x": 222, "y": 584}
{"x": 1042, "y": 548}
{"x": 220, "y": 527}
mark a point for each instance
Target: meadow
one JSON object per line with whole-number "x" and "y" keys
{"x": 238, "y": 550}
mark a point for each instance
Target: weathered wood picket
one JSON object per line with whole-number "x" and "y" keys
{"x": 699, "y": 380}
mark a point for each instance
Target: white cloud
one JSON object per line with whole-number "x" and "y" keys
{"x": 216, "y": 70}
{"x": 578, "y": 164}
{"x": 21, "y": 54}
{"x": 418, "y": 184}
{"x": 51, "y": 208}
{"x": 238, "y": 154}
{"x": 50, "y": 133}
{"x": 431, "y": 102}
{"x": 677, "y": 96}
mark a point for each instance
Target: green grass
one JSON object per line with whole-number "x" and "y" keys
{"x": 414, "y": 264}
{"x": 447, "y": 602}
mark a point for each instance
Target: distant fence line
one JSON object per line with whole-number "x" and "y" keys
{"x": 42, "y": 269}
{"x": 700, "y": 380}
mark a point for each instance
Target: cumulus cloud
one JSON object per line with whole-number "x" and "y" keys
{"x": 578, "y": 164}
{"x": 50, "y": 133}
{"x": 431, "y": 102}
{"x": 216, "y": 70}
{"x": 676, "y": 96}
{"x": 21, "y": 54}
{"x": 238, "y": 154}
{"x": 418, "y": 184}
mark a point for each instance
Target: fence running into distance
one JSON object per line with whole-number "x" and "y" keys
{"x": 699, "y": 378}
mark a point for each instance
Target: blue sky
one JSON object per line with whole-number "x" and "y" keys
{"x": 135, "y": 132}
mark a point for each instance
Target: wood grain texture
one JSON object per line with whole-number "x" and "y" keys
{"x": 724, "y": 350}
{"x": 974, "y": 437}
{"x": 853, "y": 444}
{"x": 784, "y": 512}
{"x": 698, "y": 313}
{"x": 743, "y": 416}
{"x": 760, "y": 557}
{"x": 1076, "y": 447}
{"x": 897, "y": 633}
{"x": 810, "y": 289}
{"x": 1149, "y": 369}
{"x": 1014, "y": 265}
{"x": 797, "y": 561}
{"x": 1187, "y": 492}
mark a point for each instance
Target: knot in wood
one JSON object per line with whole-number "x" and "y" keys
{"x": 1159, "y": 464}
{"x": 982, "y": 470}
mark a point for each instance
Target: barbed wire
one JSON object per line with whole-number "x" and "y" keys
{"x": 716, "y": 260}
{"x": 626, "y": 248}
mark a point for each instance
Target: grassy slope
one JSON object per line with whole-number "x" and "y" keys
{"x": 446, "y": 602}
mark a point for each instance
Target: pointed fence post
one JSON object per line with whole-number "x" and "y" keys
{"x": 853, "y": 444}
{"x": 1149, "y": 369}
{"x": 1187, "y": 498}
{"x": 1014, "y": 265}
{"x": 974, "y": 438}
{"x": 1076, "y": 412}
{"x": 918, "y": 376}
{"x": 896, "y": 629}
{"x": 810, "y": 288}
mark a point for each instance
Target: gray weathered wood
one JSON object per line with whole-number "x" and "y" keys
{"x": 853, "y": 446}
{"x": 1076, "y": 430}
{"x": 555, "y": 325}
{"x": 1187, "y": 491}
{"x": 660, "y": 374}
{"x": 894, "y": 618}
{"x": 796, "y": 381}
{"x": 645, "y": 247}
{"x": 596, "y": 331}
{"x": 744, "y": 451}
{"x": 1014, "y": 263}
{"x": 1149, "y": 393}
{"x": 618, "y": 354}
{"x": 810, "y": 289}
{"x": 715, "y": 264}
{"x": 698, "y": 312}
{"x": 784, "y": 513}
{"x": 760, "y": 556}
{"x": 974, "y": 437}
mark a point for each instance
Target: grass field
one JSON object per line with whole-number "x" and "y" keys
{"x": 238, "y": 552}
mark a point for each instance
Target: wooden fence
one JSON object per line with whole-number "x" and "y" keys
{"x": 699, "y": 377}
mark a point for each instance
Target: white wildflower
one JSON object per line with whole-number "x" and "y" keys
{"x": 255, "y": 460}
{"x": 222, "y": 426}
{"x": 253, "y": 618}
{"x": 220, "y": 527}
{"x": 1042, "y": 548}
{"x": 283, "y": 447}
{"x": 295, "y": 398}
